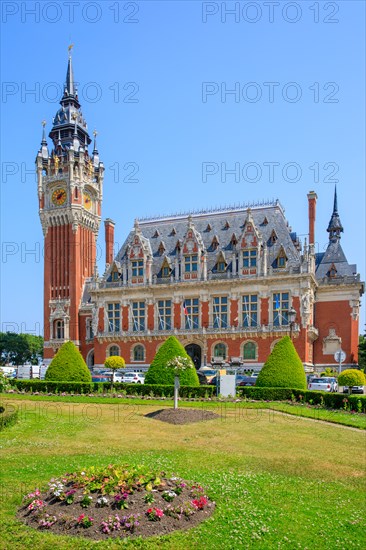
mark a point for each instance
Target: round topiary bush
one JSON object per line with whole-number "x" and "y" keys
{"x": 114, "y": 362}
{"x": 160, "y": 373}
{"x": 351, "y": 377}
{"x": 68, "y": 365}
{"x": 283, "y": 368}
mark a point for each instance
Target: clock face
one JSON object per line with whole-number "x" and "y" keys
{"x": 59, "y": 196}
{"x": 87, "y": 200}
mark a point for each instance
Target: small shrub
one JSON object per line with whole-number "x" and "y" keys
{"x": 68, "y": 365}
{"x": 351, "y": 377}
{"x": 283, "y": 368}
{"x": 160, "y": 373}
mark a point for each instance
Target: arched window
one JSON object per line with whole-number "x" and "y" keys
{"x": 139, "y": 353}
{"x": 113, "y": 350}
{"x": 90, "y": 358}
{"x": 249, "y": 351}
{"x": 59, "y": 332}
{"x": 220, "y": 350}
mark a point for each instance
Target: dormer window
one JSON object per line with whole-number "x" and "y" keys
{"x": 161, "y": 248}
{"x": 273, "y": 238}
{"x": 178, "y": 246}
{"x": 265, "y": 221}
{"x": 250, "y": 258}
{"x": 137, "y": 268}
{"x": 208, "y": 228}
{"x": 233, "y": 240}
{"x": 156, "y": 234}
{"x": 191, "y": 263}
{"x": 226, "y": 225}
{"x": 280, "y": 261}
{"x": 173, "y": 232}
{"x": 221, "y": 266}
{"x": 215, "y": 243}
{"x": 332, "y": 272}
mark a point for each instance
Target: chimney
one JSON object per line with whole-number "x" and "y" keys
{"x": 312, "y": 196}
{"x": 109, "y": 240}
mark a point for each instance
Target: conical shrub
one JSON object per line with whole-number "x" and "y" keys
{"x": 68, "y": 365}
{"x": 283, "y": 368}
{"x": 159, "y": 373}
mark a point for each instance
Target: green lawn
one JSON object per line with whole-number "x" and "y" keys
{"x": 278, "y": 481}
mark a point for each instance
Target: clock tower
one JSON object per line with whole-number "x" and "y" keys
{"x": 70, "y": 184}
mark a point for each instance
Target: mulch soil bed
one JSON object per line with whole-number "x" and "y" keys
{"x": 182, "y": 416}
{"x": 167, "y": 505}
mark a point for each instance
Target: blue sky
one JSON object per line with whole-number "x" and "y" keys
{"x": 155, "y": 80}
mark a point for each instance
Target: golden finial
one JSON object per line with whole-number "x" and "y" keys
{"x": 70, "y": 48}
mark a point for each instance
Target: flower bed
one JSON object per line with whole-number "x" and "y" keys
{"x": 116, "y": 501}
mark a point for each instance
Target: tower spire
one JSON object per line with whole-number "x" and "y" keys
{"x": 335, "y": 227}
{"x": 70, "y": 85}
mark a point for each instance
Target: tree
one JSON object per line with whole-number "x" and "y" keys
{"x": 328, "y": 372}
{"x": 17, "y": 349}
{"x": 160, "y": 373}
{"x": 362, "y": 352}
{"x": 283, "y": 368}
{"x": 351, "y": 377}
{"x": 68, "y": 365}
{"x": 114, "y": 362}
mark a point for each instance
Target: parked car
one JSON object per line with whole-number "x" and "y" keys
{"x": 246, "y": 380}
{"x": 354, "y": 389}
{"x": 206, "y": 375}
{"x": 323, "y": 384}
{"x": 100, "y": 378}
{"x": 132, "y": 378}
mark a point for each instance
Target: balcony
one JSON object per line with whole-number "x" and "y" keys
{"x": 256, "y": 331}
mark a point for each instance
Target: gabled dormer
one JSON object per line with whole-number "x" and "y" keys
{"x": 192, "y": 250}
{"x": 273, "y": 238}
{"x": 140, "y": 256}
{"x": 161, "y": 248}
{"x": 215, "y": 243}
{"x": 166, "y": 268}
{"x": 281, "y": 260}
{"x": 114, "y": 272}
{"x": 250, "y": 243}
{"x": 221, "y": 263}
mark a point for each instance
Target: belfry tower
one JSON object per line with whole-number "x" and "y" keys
{"x": 70, "y": 184}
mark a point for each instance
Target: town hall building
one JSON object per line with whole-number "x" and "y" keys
{"x": 228, "y": 283}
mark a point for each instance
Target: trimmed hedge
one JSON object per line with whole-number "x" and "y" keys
{"x": 157, "y": 390}
{"x": 69, "y": 365}
{"x": 283, "y": 367}
{"x": 159, "y": 373}
{"x": 351, "y": 377}
{"x": 326, "y": 399}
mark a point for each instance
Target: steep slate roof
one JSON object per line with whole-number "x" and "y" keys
{"x": 334, "y": 255}
{"x": 219, "y": 224}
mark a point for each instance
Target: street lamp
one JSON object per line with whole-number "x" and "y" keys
{"x": 291, "y": 318}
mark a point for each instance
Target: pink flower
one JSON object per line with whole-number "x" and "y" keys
{"x": 199, "y": 503}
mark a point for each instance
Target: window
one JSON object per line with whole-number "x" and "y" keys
{"x": 114, "y": 317}
{"x": 281, "y": 261}
{"x": 221, "y": 266}
{"x": 113, "y": 350}
{"x": 89, "y": 329}
{"x": 250, "y": 258}
{"x": 165, "y": 272}
{"x": 280, "y": 308}
{"x": 250, "y": 310}
{"x": 249, "y": 351}
{"x": 115, "y": 276}
{"x": 191, "y": 313}
{"x": 59, "y": 329}
{"x": 220, "y": 350}
{"x": 139, "y": 353}
{"x": 138, "y": 316}
{"x": 164, "y": 314}
{"x": 220, "y": 311}
{"x": 137, "y": 268}
{"x": 191, "y": 263}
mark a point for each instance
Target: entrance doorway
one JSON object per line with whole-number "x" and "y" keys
{"x": 195, "y": 353}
